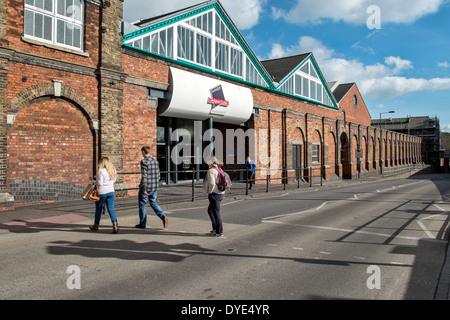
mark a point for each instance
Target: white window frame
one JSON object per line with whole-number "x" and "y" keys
{"x": 315, "y": 154}
{"x": 314, "y": 85}
{"x": 54, "y": 24}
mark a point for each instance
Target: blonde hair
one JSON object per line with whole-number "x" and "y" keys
{"x": 109, "y": 166}
{"x": 212, "y": 160}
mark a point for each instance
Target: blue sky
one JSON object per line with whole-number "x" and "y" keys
{"x": 403, "y": 64}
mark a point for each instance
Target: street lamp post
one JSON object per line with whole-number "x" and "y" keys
{"x": 381, "y": 139}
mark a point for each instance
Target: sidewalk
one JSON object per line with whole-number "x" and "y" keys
{"x": 169, "y": 198}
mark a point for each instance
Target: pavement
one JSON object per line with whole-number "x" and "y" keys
{"x": 26, "y": 217}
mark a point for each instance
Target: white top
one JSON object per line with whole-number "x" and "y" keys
{"x": 104, "y": 182}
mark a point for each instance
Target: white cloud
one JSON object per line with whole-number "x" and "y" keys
{"x": 305, "y": 44}
{"x": 381, "y": 80}
{"x": 444, "y": 64}
{"x": 355, "y": 11}
{"x": 398, "y": 63}
{"x": 445, "y": 127}
{"x": 245, "y": 14}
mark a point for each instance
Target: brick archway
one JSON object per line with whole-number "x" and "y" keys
{"x": 51, "y": 142}
{"x": 56, "y": 90}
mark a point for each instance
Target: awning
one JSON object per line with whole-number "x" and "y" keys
{"x": 196, "y": 97}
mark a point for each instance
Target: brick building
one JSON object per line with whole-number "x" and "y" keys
{"x": 76, "y": 84}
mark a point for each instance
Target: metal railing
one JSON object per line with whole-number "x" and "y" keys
{"x": 190, "y": 186}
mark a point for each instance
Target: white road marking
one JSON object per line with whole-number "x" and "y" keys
{"x": 343, "y": 230}
{"x": 424, "y": 228}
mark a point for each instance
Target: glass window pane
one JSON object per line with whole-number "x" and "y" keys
{"x": 210, "y": 22}
{"x": 61, "y": 5}
{"x": 38, "y": 25}
{"x": 29, "y": 2}
{"x": 313, "y": 73}
{"x": 170, "y": 42}
{"x": 236, "y": 62}
{"x": 77, "y": 10}
{"x": 162, "y": 42}
{"x": 305, "y": 87}
{"x": 69, "y": 8}
{"x": 77, "y": 37}
{"x": 154, "y": 43}
{"x": 39, "y": 3}
{"x": 48, "y": 5}
{"x": 298, "y": 84}
{"x": 313, "y": 90}
{"x": 68, "y": 39}
{"x": 319, "y": 92}
{"x": 146, "y": 43}
{"x": 222, "y": 30}
{"x": 48, "y": 26}
{"x": 305, "y": 68}
{"x": 217, "y": 26}
{"x": 29, "y": 22}
{"x": 60, "y": 31}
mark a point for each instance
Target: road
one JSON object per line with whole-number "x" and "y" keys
{"x": 377, "y": 240}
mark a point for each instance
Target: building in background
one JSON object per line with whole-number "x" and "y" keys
{"x": 78, "y": 84}
{"x": 427, "y": 128}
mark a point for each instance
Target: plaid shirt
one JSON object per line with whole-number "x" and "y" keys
{"x": 149, "y": 174}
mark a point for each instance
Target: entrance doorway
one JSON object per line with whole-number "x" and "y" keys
{"x": 177, "y": 165}
{"x": 297, "y": 160}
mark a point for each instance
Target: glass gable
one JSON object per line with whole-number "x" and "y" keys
{"x": 204, "y": 40}
{"x": 305, "y": 82}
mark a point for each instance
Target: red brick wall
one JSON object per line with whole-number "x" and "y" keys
{"x": 50, "y": 140}
{"x": 360, "y": 114}
{"x": 139, "y": 130}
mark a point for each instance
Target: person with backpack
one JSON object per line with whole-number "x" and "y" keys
{"x": 215, "y": 195}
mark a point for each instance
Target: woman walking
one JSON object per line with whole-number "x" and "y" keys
{"x": 106, "y": 177}
{"x": 214, "y": 196}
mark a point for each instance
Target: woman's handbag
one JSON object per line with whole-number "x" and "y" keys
{"x": 90, "y": 193}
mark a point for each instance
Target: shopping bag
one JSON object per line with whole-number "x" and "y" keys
{"x": 90, "y": 193}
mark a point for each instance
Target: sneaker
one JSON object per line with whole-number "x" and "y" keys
{"x": 212, "y": 233}
{"x": 139, "y": 226}
{"x": 219, "y": 235}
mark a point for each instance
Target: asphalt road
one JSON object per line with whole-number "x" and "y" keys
{"x": 377, "y": 240}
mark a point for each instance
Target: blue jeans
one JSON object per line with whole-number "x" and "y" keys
{"x": 214, "y": 211}
{"x": 109, "y": 198}
{"x": 151, "y": 197}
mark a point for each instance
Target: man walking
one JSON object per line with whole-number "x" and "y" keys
{"x": 148, "y": 189}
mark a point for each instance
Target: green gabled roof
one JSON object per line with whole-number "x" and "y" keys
{"x": 274, "y": 72}
{"x": 162, "y": 21}
{"x": 282, "y": 69}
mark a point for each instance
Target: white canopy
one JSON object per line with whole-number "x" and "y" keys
{"x": 197, "y": 97}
